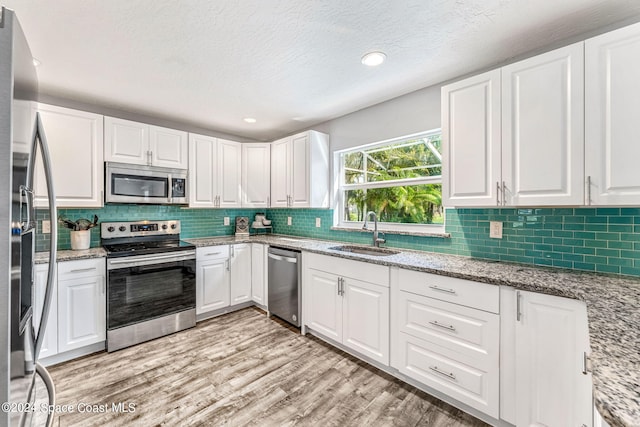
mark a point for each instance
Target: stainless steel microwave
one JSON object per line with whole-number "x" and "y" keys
{"x": 127, "y": 183}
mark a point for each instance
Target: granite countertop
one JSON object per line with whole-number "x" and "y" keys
{"x": 613, "y": 306}
{"x": 613, "y": 309}
{"x": 67, "y": 255}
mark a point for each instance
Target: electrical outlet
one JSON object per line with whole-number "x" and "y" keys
{"x": 288, "y": 220}
{"x": 318, "y": 222}
{"x": 226, "y": 220}
{"x": 46, "y": 226}
{"x": 495, "y": 230}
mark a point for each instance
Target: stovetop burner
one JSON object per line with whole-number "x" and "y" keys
{"x": 143, "y": 237}
{"x": 142, "y": 248}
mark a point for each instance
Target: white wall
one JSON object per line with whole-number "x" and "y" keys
{"x": 411, "y": 113}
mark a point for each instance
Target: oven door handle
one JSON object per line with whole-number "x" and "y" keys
{"x": 128, "y": 260}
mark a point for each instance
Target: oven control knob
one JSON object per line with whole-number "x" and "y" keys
{"x": 164, "y": 226}
{"x": 111, "y": 229}
{"x": 173, "y": 226}
{"x": 122, "y": 228}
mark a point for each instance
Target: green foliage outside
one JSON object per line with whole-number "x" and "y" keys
{"x": 415, "y": 204}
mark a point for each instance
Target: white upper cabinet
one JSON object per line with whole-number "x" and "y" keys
{"x": 143, "y": 144}
{"x": 75, "y": 141}
{"x": 256, "y": 175}
{"x": 126, "y": 141}
{"x": 214, "y": 172}
{"x": 471, "y": 141}
{"x": 229, "y": 169}
{"x": 612, "y": 67}
{"x": 515, "y": 136}
{"x": 543, "y": 129}
{"x": 280, "y": 160}
{"x": 168, "y": 147}
{"x": 203, "y": 153}
{"x": 300, "y": 171}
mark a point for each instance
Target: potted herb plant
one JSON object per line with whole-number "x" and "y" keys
{"x": 80, "y": 231}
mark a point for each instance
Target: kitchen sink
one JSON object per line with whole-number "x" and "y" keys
{"x": 373, "y": 251}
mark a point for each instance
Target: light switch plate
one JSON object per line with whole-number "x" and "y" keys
{"x": 495, "y": 229}
{"x": 226, "y": 220}
{"x": 318, "y": 222}
{"x": 288, "y": 220}
{"x": 46, "y": 226}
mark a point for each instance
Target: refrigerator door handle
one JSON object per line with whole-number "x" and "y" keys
{"x": 40, "y": 140}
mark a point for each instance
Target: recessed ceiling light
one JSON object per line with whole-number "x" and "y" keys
{"x": 36, "y": 62}
{"x": 249, "y": 120}
{"x": 373, "y": 59}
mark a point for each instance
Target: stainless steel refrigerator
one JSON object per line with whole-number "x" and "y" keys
{"x": 23, "y": 382}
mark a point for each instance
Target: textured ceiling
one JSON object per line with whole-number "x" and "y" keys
{"x": 288, "y": 63}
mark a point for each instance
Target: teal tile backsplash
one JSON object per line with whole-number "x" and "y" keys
{"x": 592, "y": 239}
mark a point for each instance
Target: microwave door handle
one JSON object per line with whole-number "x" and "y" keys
{"x": 170, "y": 189}
{"x": 40, "y": 140}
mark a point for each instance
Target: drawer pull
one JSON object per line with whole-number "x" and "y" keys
{"x": 440, "y": 325}
{"x": 446, "y": 374}
{"x": 212, "y": 253}
{"x": 447, "y": 290}
{"x": 80, "y": 270}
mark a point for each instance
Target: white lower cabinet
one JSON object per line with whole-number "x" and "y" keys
{"x": 81, "y": 303}
{"x": 212, "y": 278}
{"x": 544, "y": 351}
{"x": 350, "y": 311}
{"x": 447, "y": 346}
{"x": 50, "y": 343}
{"x": 259, "y": 274}
{"x": 223, "y": 276}
{"x": 240, "y": 273}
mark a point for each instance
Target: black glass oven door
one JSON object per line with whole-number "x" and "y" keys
{"x": 136, "y": 294}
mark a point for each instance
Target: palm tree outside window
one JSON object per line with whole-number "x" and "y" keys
{"x": 400, "y": 180}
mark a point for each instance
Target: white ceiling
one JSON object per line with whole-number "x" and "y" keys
{"x": 288, "y": 63}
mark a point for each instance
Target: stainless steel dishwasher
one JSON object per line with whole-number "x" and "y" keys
{"x": 284, "y": 284}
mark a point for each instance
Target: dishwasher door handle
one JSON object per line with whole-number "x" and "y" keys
{"x": 283, "y": 258}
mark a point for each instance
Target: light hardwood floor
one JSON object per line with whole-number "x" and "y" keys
{"x": 242, "y": 369}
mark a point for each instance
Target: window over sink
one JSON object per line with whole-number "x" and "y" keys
{"x": 398, "y": 179}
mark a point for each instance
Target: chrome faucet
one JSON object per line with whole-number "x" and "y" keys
{"x": 376, "y": 239}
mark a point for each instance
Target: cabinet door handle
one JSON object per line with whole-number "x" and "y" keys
{"x": 518, "y": 312}
{"x": 268, "y": 201}
{"x": 439, "y": 289}
{"x": 589, "y": 190}
{"x": 103, "y": 286}
{"x": 497, "y": 193}
{"x": 585, "y": 363}
{"x": 504, "y": 194}
{"x": 449, "y": 375}
{"x": 227, "y": 261}
{"x": 149, "y": 157}
{"x": 80, "y": 270}
{"x": 443, "y": 326}
{"x": 233, "y": 251}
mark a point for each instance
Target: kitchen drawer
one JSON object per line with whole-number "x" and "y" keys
{"x": 474, "y": 333}
{"x": 464, "y": 292}
{"x": 365, "y": 271}
{"x": 451, "y": 373}
{"x": 212, "y": 252}
{"x": 81, "y": 268}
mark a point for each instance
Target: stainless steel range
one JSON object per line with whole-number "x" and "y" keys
{"x": 151, "y": 278}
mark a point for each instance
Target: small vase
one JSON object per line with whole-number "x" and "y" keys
{"x": 80, "y": 239}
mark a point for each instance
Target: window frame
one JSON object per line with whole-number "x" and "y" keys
{"x": 340, "y": 187}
